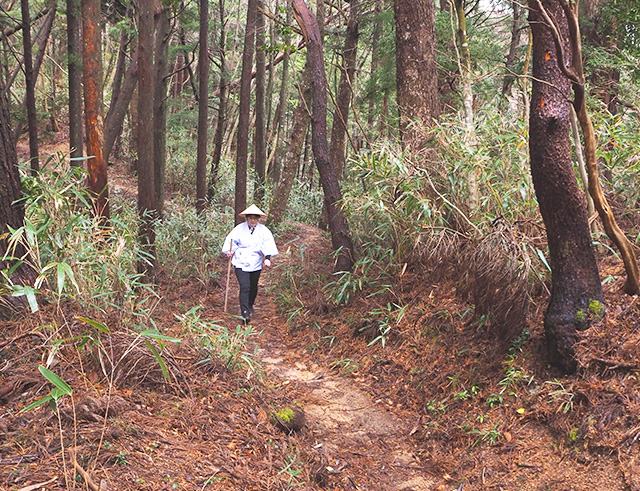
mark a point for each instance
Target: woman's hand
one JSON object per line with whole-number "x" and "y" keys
{"x": 267, "y": 263}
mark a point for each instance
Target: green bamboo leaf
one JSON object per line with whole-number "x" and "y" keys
{"x": 35, "y": 404}
{"x": 98, "y": 326}
{"x": 155, "y": 334}
{"x": 29, "y": 293}
{"x": 158, "y": 357}
{"x": 55, "y": 380}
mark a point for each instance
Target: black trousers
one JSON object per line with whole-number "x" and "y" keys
{"x": 248, "y": 282}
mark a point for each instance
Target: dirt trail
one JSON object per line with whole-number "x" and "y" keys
{"x": 361, "y": 443}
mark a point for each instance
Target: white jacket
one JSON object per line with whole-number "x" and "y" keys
{"x": 249, "y": 247}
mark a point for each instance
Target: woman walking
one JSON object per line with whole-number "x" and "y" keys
{"x": 250, "y": 246}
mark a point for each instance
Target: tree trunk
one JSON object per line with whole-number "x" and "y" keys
{"x": 92, "y": 73}
{"x": 243, "y": 117}
{"x": 121, "y": 63}
{"x": 576, "y": 294}
{"x": 275, "y": 159}
{"x": 375, "y": 64}
{"x": 160, "y": 105}
{"x": 74, "y": 66}
{"x": 146, "y": 167}
{"x": 11, "y": 207}
{"x": 338, "y": 225}
{"x": 222, "y": 104}
{"x": 294, "y": 149}
{"x": 345, "y": 91}
{"x": 466, "y": 74}
{"x": 516, "y": 31}
{"x": 118, "y": 108}
{"x": 203, "y": 107}
{"x": 30, "y": 82}
{"x": 259, "y": 143}
{"x": 416, "y": 71}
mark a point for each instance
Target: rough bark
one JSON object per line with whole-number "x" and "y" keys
{"x": 92, "y": 78}
{"x": 338, "y": 225}
{"x": 259, "y": 143}
{"x": 121, "y": 62}
{"x": 576, "y": 293}
{"x": 11, "y": 210}
{"x": 242, "y": 147}
{"x": 146, "y": 167}
{"x": 345, "y": 91}
{"x": 416, "y": 71}
{"x": 161, "y": 84}
{"x": 30, "y": 82}
{"x": 74, "y": 67}
{"x": 203, "y": 107}
{"x": 118, "y": 108}
{"x": 222, "y": 104}
{"x": 301, "y": 116}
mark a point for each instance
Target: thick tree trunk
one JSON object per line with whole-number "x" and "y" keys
{"x": 338, "y": 225}
{"x": 416, "y": 71}
{"x": 203, "y": 107}
{"x": 160, "y": 105}
{"x": 345, "y": 91}
{"x": 259, "y": 143}
{"x": 146, "y": 167}
{"x": 11, "y": 208}
{"x": 301, "y": 116}
{"x": 242, "y": 146}
{"x": 74, "y": 66}
{"x": 30, "y": 82}
{"x": 118, "y": 108}
{"x": 222, "y": 105}
{"x": 576, "y": 295}
{"x": 92, "y": 73}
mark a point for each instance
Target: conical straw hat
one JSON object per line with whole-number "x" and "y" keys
{"x": 253, "y": 210}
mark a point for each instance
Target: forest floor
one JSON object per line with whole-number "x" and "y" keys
{"x": 441, "y": 406}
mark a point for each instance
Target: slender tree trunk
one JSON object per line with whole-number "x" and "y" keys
{"x": 146, "y": 167}
{"x": 416, "y": 71}
{"x": 577, "y": 143}
{"x": 345, "y": 91}
{"x": 242, "y": 146}
{"x": 74, "y": 67}
{"x": 375, "y": 64}
{"x": 118, "y": 108}
{"x": 92, "y": 72}
{"x": 121, "y": 63}
{"x": 576, "y": 293}
{"x": 338, "y": 225}
{"x": 30, "y": 82}
{"x": 222, "y": 104}
{"x": 274, "y": 161}
{"x": 466, "y": 75}
{"x": 301, "y": 116}
{"x": 203, "y": 107}
{"x": 516, "y": 31}
{"x": 161, "y": 82}
{"x": 259, "y": 143}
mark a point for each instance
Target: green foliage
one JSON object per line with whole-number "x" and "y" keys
{"x": 187, "y": 243}
{"x": 60, "y": 389}
{"x": 221, "y": 345}
{"x": 72, "y": 254}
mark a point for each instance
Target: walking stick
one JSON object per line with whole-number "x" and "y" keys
{"x": 226, "y": 291}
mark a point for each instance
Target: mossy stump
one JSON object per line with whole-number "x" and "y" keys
{"x": 289, "y": 419}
